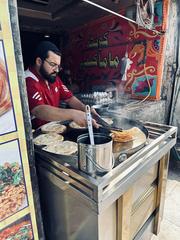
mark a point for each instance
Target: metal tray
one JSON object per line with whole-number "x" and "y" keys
{"x": 121, "y": 150}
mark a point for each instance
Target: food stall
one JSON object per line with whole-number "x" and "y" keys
{"x": 78, "y": 199}
{"x": 124, "y": 203}
{"x": 116, "y": 65}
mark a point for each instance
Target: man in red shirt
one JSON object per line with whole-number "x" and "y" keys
{"x": 45, "y": 90}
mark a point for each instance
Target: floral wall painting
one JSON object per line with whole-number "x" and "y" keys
{"x": 7, "y": 120}
{"x": 12, "y": 189}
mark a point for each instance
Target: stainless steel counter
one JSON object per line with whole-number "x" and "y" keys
{"x": 78, "y": 206}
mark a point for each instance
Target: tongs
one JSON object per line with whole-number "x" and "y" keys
{"x": 105, "y": 125}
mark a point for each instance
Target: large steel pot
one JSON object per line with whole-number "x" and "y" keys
{"x": 98, "y": 158}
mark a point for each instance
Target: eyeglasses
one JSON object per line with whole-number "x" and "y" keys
{"x": 54, "y": 65}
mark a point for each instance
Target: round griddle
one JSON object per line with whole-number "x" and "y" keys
{"x": 123, "y": 150}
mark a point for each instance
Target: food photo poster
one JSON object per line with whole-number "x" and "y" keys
{"x": 21, "y": 229}
{"x": 7, "y": 119}
{"x": 13, "y": 196}
{"x": 16, "y": 195}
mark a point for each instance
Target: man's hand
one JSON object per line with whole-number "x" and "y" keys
{"x": 93, "y": 112}
{"x": 80, "y": 118}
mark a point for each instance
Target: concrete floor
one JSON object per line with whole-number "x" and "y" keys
{"x": 170, "y": 226}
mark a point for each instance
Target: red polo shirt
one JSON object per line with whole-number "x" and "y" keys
{"x": 40, "y": 92}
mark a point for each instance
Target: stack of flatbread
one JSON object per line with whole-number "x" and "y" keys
{"x": 64, "y": 148}
{"x": 53, "y": 127}
{"x": 47, "y": 139}
{"x": 75, "y": 125}
{"x": 53, "y": 141}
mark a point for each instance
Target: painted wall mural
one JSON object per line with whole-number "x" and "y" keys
{"x": 112, "y": 49}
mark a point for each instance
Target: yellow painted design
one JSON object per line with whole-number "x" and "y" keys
{"x": 14, "y": 218}
{"x": 135, "y": 73}
{"x": 136, "y": 32}
{"x": 8, "y": 137}
{"x": 139, "y": 50}
{"x": 151, "y": 52}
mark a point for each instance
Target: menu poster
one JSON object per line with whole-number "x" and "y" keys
{"x": 21, "y": 229}
{"x": 12, "y": 189}
{"x": 16, "y": 196}
{"x": 7, "y": 120}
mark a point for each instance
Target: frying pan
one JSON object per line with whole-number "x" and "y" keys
{"x": 123, "y": 150}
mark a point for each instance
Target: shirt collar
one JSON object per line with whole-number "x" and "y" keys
{"x": 41, "y": 79}
{"x": 33, "y": 70}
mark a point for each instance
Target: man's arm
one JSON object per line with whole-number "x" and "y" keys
{"x": 75, "y": 103}
{"x": 49, "y": 113}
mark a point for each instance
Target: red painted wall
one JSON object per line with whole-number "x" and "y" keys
{"x": 113, "y": 49}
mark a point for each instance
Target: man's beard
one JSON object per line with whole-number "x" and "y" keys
{"x": 51, "y": 78}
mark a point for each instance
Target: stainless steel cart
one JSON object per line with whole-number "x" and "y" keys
{"x": 123, "y": 204}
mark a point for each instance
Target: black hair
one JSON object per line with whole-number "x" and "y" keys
{"x": 43, "y": 48}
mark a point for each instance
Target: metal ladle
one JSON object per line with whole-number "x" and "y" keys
{"x": 89, "y": 123}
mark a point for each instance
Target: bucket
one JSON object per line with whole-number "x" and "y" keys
{"x": 97, "y": 158}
